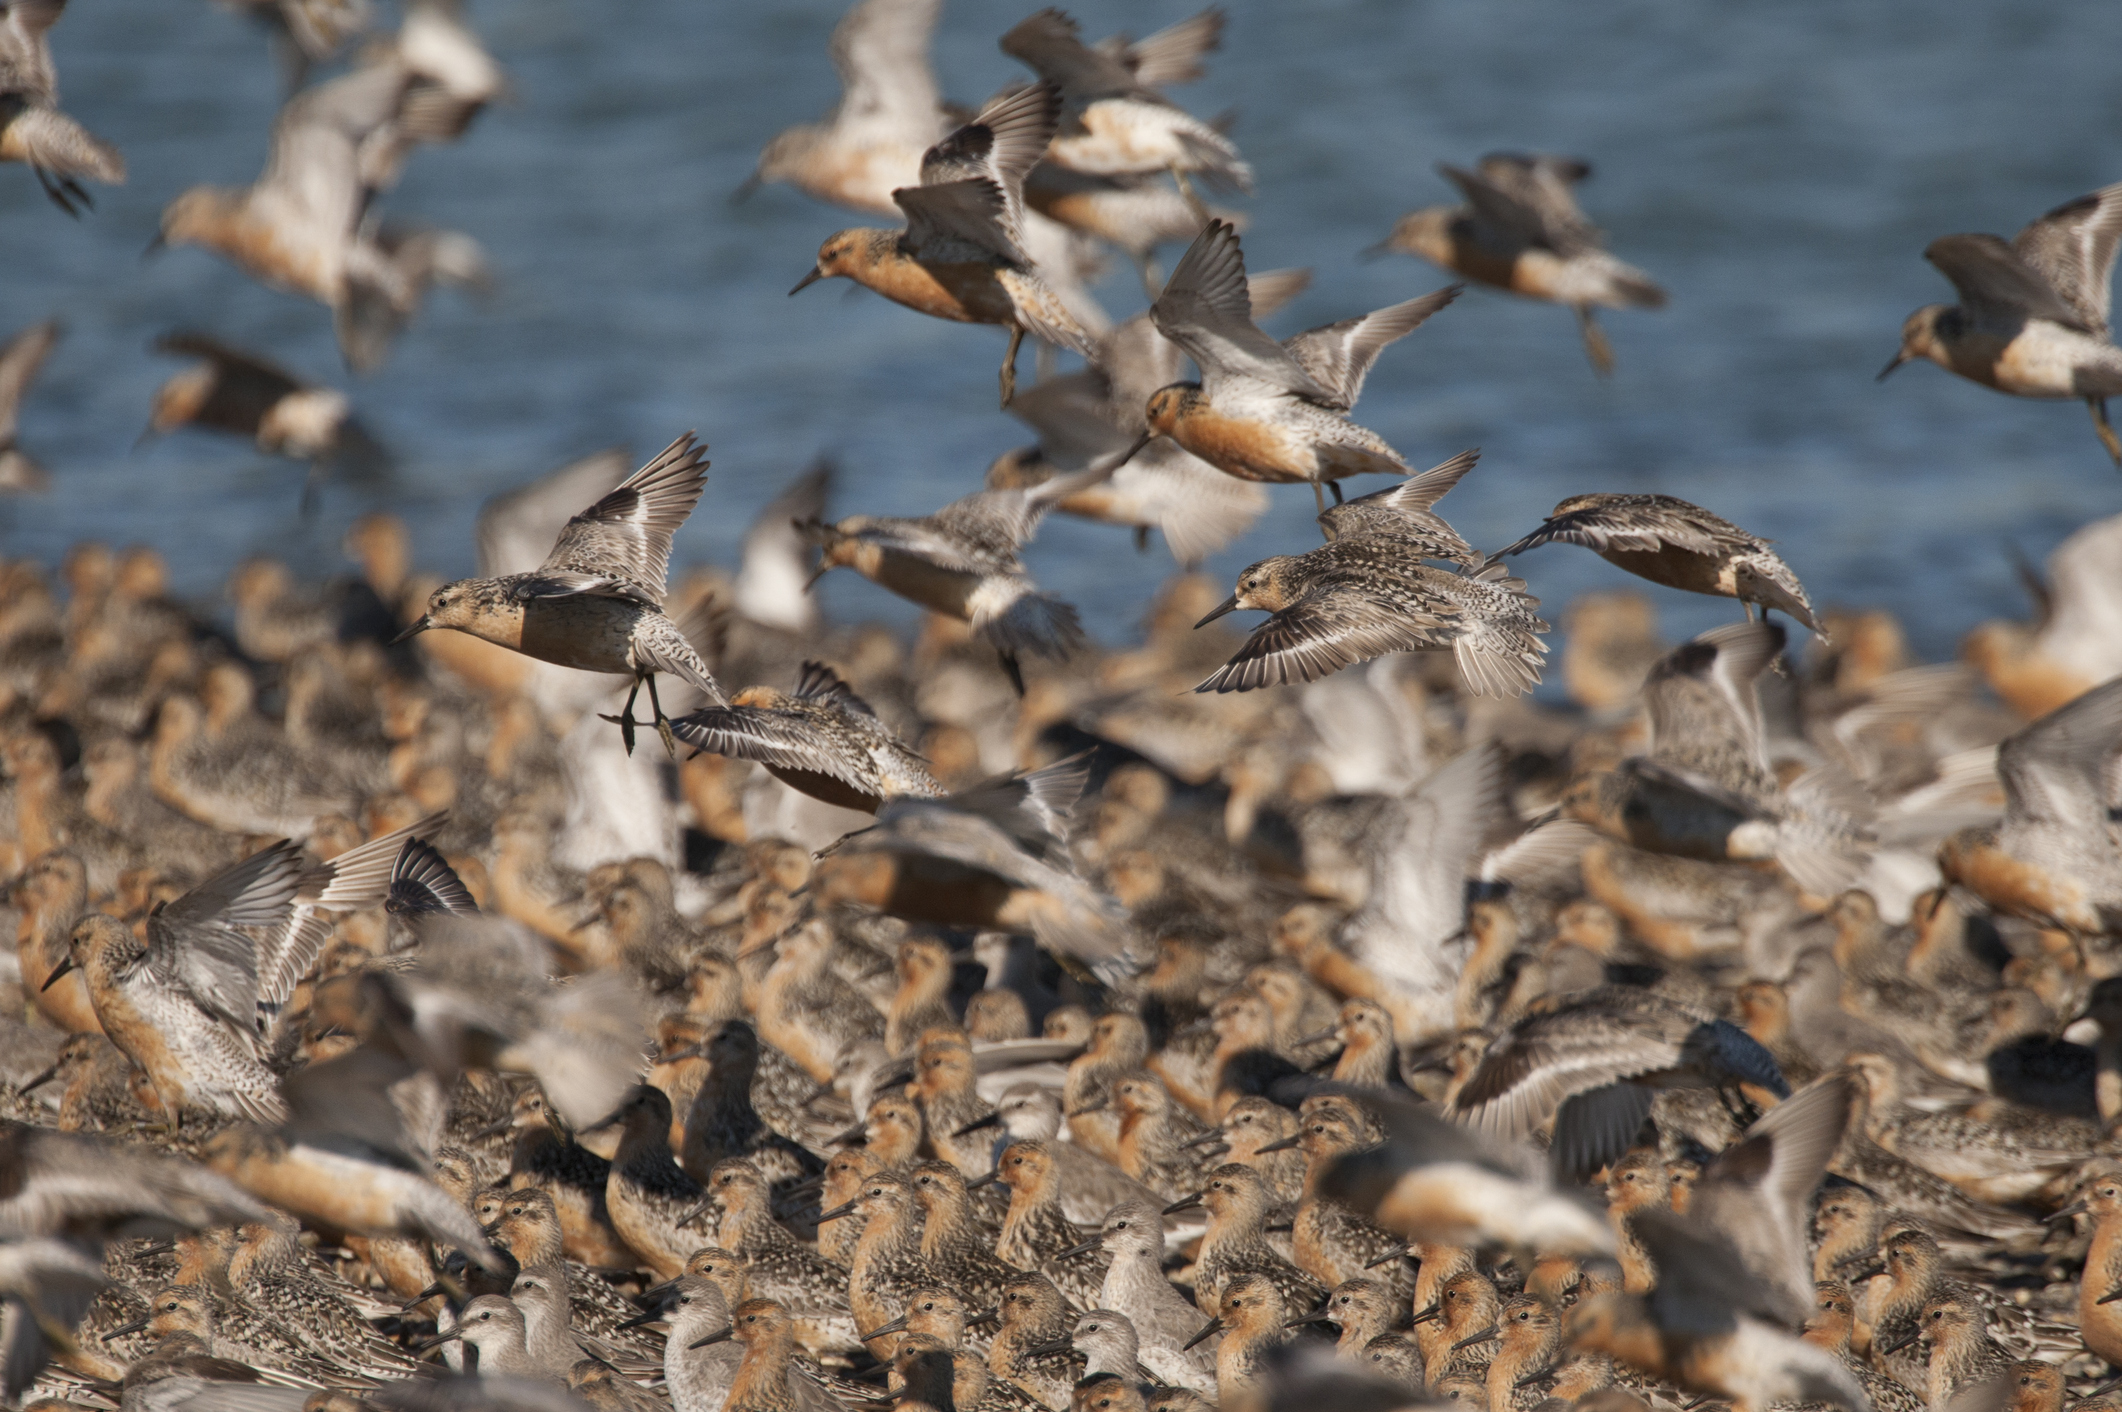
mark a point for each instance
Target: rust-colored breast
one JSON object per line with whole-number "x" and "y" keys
{"x": 1244, "y": 447}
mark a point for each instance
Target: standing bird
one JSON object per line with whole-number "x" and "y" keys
{"x": 2032, "y": 316}
{"x": 32, "y": 129}
{"x": 596, "y": 603}
{"x": 20, "y": 358}
{"x": 1521, "y": 230}
{"x": 1669, "y": 541}
{"x": 961, "y": 256}
{"x": 1268, "y": 411}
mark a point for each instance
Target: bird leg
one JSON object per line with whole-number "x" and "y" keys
{"x": 626, "y": 717}
{"x": 670, "y": 741}
{"x": 1142, "y": 539}
{"x": 2105, "y": 428}
{"x": 1595, "y": 344}
{"x": 1335, "y": 487}
{"x": 1319, "y": 496}
{"x": 1016, "y": 673}
{"x": 1193, "y": 198}
{"x": 1009, "y": 365}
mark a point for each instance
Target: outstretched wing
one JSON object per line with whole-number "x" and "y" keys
{"x": 2073, "y": 249}
{"x": 621, "y": 545}
{"x": 1338, "y": 356}
{"x": 1627, "y": 524}
{"x": 886, "y": 87}
{"x": 972, "y": 182}
{"x": 1207, "y": 310}
{"x": 1996, "y": 283}
{"x": 20, "y": 358}
{"x": 1326, "y": 630}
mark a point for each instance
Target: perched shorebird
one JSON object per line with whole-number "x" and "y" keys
{"x": 301, "y": 227}
{"x": 648, "y": 1194}
{"x": 961, "y": 256}
{"x": 1829, "y": 1328}
{"x": 888, "y": 114}
{"x": 1114, "y": 122}
{"x": 1961, "y": 1353}
{"x": 1364, "y": 595}
{"x": 1669, "y": 541}
{"x": 1404, "y": 512}
{"x": 778, "y": 1266}
{"x": 2053, "y": 858}
{"x": 2032, "y": 316}
{"x": 821, "y": 739}
{"x": 1251, "y": 1319}
{"x": 596, "y": 604}
{"x": 1236, "y": 1242}
{"x": 233, "y": 391}
{"x": 963, "y": 562}
{"x": 1522, "y": 230}
{"x": 32, "y": 129}
{"x": 1268, "y": 411}
{"x": 1132, "y": 1237}
{"x": 20, "y": 358}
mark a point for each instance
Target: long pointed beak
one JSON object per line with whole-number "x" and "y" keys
{"x": 1059, "y": 1345}
{"x": 1902, "y": 1342}
{"x": 639, "y": 1319}
{"x": 66, "y": 963}
{"x": 1133, "y": 451}
{"x": 992, "y": 1120}
{"x": 818, "y": 573}
{"x": 1899, "y": 358}
{"x": 989, "y": 1180}
{"x": 1378, "y": 251}
{"x": 426, "y": 1345}
{"x": 1096, "y": 1105}
{"x": 1285, "y": 1145}
{"x": 985, "y": 1316}
{"x": 719, "y": 1336}
{"x": 2110, "y": 1297}
{"x": 846, "y": 1209}
{"x": 1213, "y": 1327}
{"x": 696, "y": 1213}
{"x": 1322, "y": 1317}
{"x": 890, "y": 1327}
{"x": 1184, "y": 1203}
{"x": 1202, "y": 1141}
{"x": 420, "y": 625}
{"x": 1427, "y": 1313}
{"x": 1228, "y": 605}
{"x": 154, "y": 247}
{"x": 806, "y": 282}
{"x": 123, "y": 1329}
{"x": 1081, "y": 1247}
{"x": 1477, "y": 1336}
{"x": 40, "y": 1080}
{"x": 745, "y": 188}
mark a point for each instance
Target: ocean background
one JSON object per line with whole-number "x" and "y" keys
{"x": 1779, "y": 168}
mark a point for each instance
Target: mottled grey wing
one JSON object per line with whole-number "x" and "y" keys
{"x": 1996, "y": 283}
{"x": 516, "y": 529}
{"x": 195, "y": 940}
{"x": 25, "y": 58}
{"x": 1509, "y": 212}
{"x": 1628, "y": 524}
{"x": 2073, "y": 248}
{"x": 1543, "y": 184}
{"x": 423, "y": 881}
{"x": 1206, "y": 308}
{"x": 770, "y": 737}
{"x": 1329, "y": 628}
{"x": 880, "y": 49}
{"x": 314, "y": 164}
{"x": 1051, "y": 44}
{"x": 972, "y": 182}
{"x": 820, "y": 682}
{"x": 1173, "y": 54}
{"x": 20, "y": 359}
{"x": 2055, "y": 770}
{"x": 622, "y": 543}
{"x": 1339, "y": 356}
{"x": 1541, "y": 1062}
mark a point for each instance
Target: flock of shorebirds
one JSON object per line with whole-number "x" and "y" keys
{"x": 989, "y": 1022}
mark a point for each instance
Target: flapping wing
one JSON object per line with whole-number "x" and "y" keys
{"x": 271, "y": 380}
{"x": 516, "y": 529}
{"x": 195, "y": 939}
{"x": 1207, "y": 310}
{"x": 2073, "y": 249}
{"x": 422, "y": 881}
{"x": 1545, "y": 1060}
{"x": 1052, "y": 45}
{"x": 972, "y": 182}
{"x": 1996, "y": 283}
{"x": 820, "y": 682}
{"x": 315, "y": 164}
{"x": 1625, "y": 524}
{"x": 777, "y": 738}
{"x": 1513, "y": 210}
{"x": 886, "y": 86}
{"x": 25, "y": 58}
{"x": 1542, "y": 183}
{"x": 358, "y": 878}
{"x": 770, "y": 578}
{"x": 621, "y": 544}
{"x": 1328, "y": 629}
{"x": 1338, "y": 356}
{"x": 2055, "y": 771}
{"x": 1173, "y": 54}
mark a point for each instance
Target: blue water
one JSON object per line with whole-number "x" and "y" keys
{"x": 1778, "y": 167}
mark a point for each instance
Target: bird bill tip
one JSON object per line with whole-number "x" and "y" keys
{"x": 1228, "y": 605}
{"x": 419, "y": 625}
{"x": 806, "y": 282}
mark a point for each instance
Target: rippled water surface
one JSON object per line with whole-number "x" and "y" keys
{"x": 1778, "y": 167}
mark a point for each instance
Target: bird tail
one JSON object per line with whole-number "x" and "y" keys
{"x": 54, "y": 143}
{"x": 367, "y": 317}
